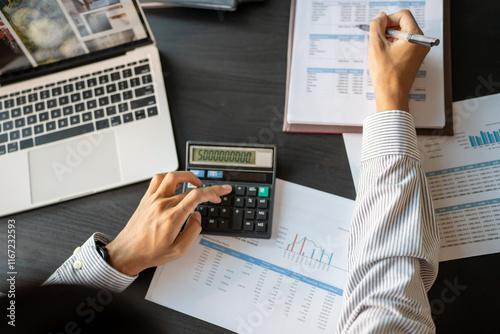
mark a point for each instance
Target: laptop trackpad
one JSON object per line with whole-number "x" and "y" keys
{"x": 74, "y": 167}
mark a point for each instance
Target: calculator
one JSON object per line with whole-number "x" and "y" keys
{"x": 251, "y": 170}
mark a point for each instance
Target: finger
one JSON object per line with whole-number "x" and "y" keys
{"x": 175, "y": 200}
{"x": 197, "y": 196}
{"x": 403, "y": 21}
{"x": 172, "y": 179}
{"x": 184, "y": 240}
{"x": 377, "y": 31}
{"x": 155, "y": 182}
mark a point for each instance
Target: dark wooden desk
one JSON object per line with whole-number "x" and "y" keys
{"x": 225, "y": 77}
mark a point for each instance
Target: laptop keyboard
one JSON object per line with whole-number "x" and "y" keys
{"x": 83, "y": 104}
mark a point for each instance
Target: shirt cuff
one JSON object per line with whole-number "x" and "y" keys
{"x": 87, "y": 267}
{"x": 389, "y": 132}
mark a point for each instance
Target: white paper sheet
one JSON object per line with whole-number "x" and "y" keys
{"x": 329, "y": 82}
{"x": 463, "y": 173}
{"x": 291, "y": 283}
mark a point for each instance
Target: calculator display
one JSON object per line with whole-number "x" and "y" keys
{"x": 218, "y": 155}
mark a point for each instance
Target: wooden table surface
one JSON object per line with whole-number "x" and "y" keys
{"x": 225, "y": 75}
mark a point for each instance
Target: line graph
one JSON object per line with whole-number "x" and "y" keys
{"x": 308, "y": 249}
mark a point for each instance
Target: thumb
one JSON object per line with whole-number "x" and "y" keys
{"x": 377, "y": 30}
{"x": 192, "y": 229}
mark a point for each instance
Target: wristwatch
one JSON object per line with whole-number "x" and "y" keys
{"x": 101, "y": 249}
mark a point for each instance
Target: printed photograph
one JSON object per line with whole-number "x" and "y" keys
{"x": 83, "y": 6}
{"x": 98, "y": 22}
{"x": 90, "y": 19}
{"x": 11, "y": 55}
{"x": 43, "y": 29}
{"x": 111, "y": 40}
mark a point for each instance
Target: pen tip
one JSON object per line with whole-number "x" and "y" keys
{"x": 364, "y": 27}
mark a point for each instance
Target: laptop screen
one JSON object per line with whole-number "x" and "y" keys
{"x": 37, "y": 34}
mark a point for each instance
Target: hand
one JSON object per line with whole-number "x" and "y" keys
{"x": 152, "y": 236}
{"x": 393, "y": 64}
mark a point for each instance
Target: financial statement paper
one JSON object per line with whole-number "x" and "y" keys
{"x": 329, "y": 81}
{"x": 463, "y": 174}
{"x": 292, "y": 283}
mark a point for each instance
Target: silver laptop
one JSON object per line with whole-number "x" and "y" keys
{"x": 83, "y": 106}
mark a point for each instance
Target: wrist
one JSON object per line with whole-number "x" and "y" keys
{"x": 120, "y": 260}
{"x": 395, "y": 101}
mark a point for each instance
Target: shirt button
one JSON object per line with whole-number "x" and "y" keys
{"x": 77, "y": 249}
{"x": 77, "y": 265}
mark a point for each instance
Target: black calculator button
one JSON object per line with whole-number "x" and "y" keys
{"x": 212, "y": 223}
{"x": 240, "y": 190}
{"x": 252, "y": 191}
{"x": 213, "y": 212}
{"x": 263, "y": 203}
{"x": 224, "y": 212}
{"x": 260, "y": 226}
{"x": 223, "y": 224}
{"x": 261, "y": 214}
{"x": 237, "y": 219}
{"x": 239, "y": 202}
{"x": 226, "y": 200}
{"x": 251, "y": 202}
{"x": 203, "y": 210}
{"x": 249, "y": 214}
{"x": 248, "y": 226}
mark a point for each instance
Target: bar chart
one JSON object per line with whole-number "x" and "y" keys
{"x": 485, "y": 138}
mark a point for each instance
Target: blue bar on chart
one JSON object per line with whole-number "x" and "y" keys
{"x": 305, "y": 248}
{"x": 485, "y": 138}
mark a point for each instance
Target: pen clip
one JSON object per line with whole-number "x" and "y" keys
{"x": 422, "y": 40}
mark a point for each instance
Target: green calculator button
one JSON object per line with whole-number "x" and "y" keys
{"x": 263, "y": 192}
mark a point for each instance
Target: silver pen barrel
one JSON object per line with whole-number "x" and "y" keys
{"x": 413, "y": 38}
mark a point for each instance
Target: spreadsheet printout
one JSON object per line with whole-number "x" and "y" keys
{"x": 329, "y": 79}
{"x": 293, "y": 282}
{"x": 463, "y": 173}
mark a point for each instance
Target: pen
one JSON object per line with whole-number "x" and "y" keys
{"x": 412, "y": 38}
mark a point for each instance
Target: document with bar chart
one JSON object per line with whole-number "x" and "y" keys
{"x": 330, "y": 88}
{"x": 463, "y": 173}
{"x": 291, "y": 283}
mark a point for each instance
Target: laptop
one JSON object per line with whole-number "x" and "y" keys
{"x": 83, "y": 106}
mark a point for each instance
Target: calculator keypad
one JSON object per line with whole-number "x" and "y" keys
{"x": 244, "y": 210}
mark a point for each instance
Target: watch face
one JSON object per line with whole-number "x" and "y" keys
{"x": 101, "y": 249}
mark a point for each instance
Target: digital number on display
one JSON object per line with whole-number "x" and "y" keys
{"x": 224, "y": 156}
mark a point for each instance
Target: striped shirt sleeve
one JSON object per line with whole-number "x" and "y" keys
{"x": 394, "y": 241}
{"x": 87, "y": 267}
